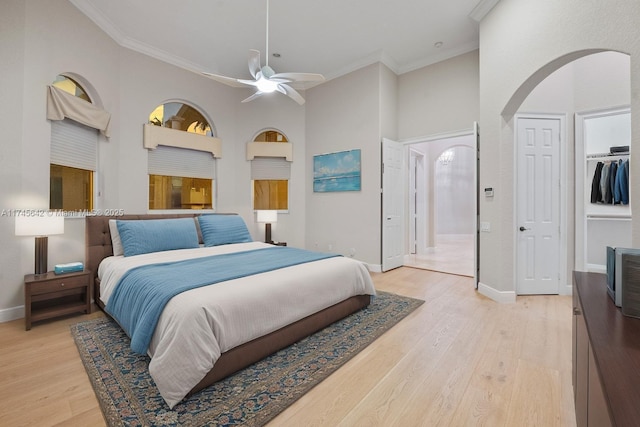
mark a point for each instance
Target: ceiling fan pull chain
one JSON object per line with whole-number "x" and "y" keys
{"x": 267, "y": 47}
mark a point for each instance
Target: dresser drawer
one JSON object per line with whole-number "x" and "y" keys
{"x": 59, "y": 284}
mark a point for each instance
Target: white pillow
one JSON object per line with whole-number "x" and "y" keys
{"x": 115, "y": 238}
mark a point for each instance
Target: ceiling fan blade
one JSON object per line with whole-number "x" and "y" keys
{"x": 254, "y": 62}
{"x": 299, "y": 77}
{"x": 230, "y": 81}
{"x": 248, "y": 82}
{"x": 254, "y": 96}
{"x": 291, "y": 93}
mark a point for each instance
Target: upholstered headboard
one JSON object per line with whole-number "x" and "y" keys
{"x": 98, "y": 239}
{"x": 98, "y": 236}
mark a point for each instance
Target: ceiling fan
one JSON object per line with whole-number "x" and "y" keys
{"x": 266, "y": 80}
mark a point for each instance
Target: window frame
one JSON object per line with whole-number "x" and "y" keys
{"x": 270, "y": 149}
{"x": 85, "y": 96}
{"x": 157, "y": 136}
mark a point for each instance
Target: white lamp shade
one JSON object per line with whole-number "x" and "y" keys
{"x": 44, "y": 225}
{"x": 267, "y": 216}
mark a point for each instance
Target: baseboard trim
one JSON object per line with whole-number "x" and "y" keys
{"x": 375, "y": 268}
{"x": 505, "y": 297}
{"x": 9, "y": 314}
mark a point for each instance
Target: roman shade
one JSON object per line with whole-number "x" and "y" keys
{"x": 270, "y": 168}
{"x": 74, "y": 145}
{"x": 174, "y": 161}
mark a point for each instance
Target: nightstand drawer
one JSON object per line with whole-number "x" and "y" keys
{"x": 58, "y": 284}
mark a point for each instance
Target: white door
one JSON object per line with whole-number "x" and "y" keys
{"x": 538, "y": 205}
{"x": 476, "y": 234}
{"x": 392, "y": 205}
{"x": 413, "y": 202}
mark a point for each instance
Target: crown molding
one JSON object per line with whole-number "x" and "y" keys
{"x": 482, "y": 8}
{"x": 441, "y": 56}
{"x": 100, "y": 20}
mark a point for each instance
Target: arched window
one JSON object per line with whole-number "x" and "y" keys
{"x": 181, "y": 174}
{"x": 69, "y": 85}
{"x": 176, "y": 115}
{"x": 73, "y": 160}
{"x": 270, "y": 173}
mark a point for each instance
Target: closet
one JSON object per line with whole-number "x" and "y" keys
{"x": 603, "y": 213}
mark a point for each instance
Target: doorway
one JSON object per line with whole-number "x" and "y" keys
{"x": 441, "y": 204}
{"x": 588, "y": 83}
{"x": 538, "y": 142}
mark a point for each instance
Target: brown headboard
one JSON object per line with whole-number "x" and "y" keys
{"x": 98, "y": 239}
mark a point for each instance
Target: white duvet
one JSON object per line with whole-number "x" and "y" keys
{"x": 198, "y": 325}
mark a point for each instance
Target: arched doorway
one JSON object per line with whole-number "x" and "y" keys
{"x": 574, "y": 84}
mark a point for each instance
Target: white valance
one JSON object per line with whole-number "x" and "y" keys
{"x": 61, "y": 104}
{"x": 158, "y": 135}
{"x": 270, "y": 149}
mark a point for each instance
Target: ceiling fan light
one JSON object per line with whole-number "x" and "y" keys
{"x": 266, "y": 86}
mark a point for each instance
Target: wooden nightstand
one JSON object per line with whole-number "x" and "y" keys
{"x": 52, "y": 295}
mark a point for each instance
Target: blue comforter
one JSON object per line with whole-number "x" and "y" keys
{"x": 143, "y": 292}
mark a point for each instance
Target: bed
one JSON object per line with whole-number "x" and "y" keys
{"x": 211, "y": 331}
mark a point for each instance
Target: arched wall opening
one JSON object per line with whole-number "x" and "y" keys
{"x": 568, "y": 85}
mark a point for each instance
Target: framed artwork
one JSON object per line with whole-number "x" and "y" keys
{"x": 336, "y": 171}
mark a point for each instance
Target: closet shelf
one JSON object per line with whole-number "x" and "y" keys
{"x": 606, "y": 156}
{"x": 625, "y": 217}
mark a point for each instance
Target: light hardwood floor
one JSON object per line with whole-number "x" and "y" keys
{"x": 459, "y": 360}
{"x": 452, "y": 254}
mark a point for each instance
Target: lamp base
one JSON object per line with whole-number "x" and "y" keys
{"x": 267, "y": 233}
{"x": 42, "y": 243}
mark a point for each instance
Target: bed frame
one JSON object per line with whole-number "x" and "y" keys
{"x": 98, "y": 247}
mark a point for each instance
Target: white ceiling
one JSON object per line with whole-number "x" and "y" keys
{"x": 331, "y": 37}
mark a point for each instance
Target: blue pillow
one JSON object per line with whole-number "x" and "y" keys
{"x": 146, "y": 236}
{"x": 223, "y": 230}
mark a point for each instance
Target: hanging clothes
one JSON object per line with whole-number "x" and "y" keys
{"x": 621, "y": 193}
{"x": 617, "y": 190}
{"x": 604, "y": 184}
{"x": 596, "y": 194}
{"x": 613, "y": 170}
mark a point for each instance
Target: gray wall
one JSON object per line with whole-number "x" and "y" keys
{"x": 345, "y": 114}
{"x": 440, "y": 98}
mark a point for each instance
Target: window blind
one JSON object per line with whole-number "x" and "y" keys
{"x": 174, "y": 161}
{"x": 270, "y": 168}
{"x": 74, "y": 145}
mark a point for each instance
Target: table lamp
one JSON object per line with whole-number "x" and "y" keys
{"x": 41, "y": 227}
{"x": 267, "y": 217}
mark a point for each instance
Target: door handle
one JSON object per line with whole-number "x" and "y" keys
{"x": 523, "y": 228}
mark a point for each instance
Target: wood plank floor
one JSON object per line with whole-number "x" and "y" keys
{"x": 453, "y": 254}
{"x": 459, "y": 360}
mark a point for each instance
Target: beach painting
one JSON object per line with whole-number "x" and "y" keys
{"x": 336, "y": 171}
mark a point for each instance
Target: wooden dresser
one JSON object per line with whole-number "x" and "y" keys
{"x": 606, "y": 357}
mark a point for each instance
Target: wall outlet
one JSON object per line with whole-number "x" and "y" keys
{"x": 485, "y": 227}
{"x": 352, "y": 252}
{"x": 330, "y": 247}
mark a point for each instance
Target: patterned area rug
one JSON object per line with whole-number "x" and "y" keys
{"x": 251, "y": 397}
